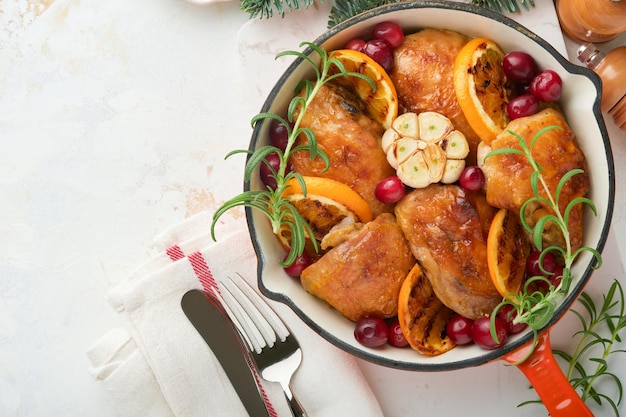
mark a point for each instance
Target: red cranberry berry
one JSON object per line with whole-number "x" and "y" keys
{"x": 371, "y": 331}
{"x": 356, "y": 44}
{"x": 390, "y": 32}
{"x": 459, "y": 329}
{"x": 481, "y": 332}
{"x": 381, "y": 52}
{"x": 546, "y": 86}
{"x": 297, "y": 266}
{"x": 390, "y": 190}
{"x": 396, "y": 337}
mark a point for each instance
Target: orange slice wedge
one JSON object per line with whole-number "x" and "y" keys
{"x": 381, "y": 102}
{"x": 507, "y": 251}
{"x": 422, "y": 316}
{"x": 481, "y": 87}
{"x": 326, "y": 203}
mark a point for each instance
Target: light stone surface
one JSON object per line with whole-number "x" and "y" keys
{"x": 115, "y": 117}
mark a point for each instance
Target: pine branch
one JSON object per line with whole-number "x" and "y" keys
{"x": 345, "y": 9}
{"x": 266, "y": 8}
{"x": 504, "y": 6}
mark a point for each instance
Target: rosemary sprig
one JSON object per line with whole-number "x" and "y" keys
{"x": 599, "y": 334}
{"x": 266, "y": 8}
{"x": 611, "y": 314}
{"x": 534, "y": 307}
{"x": 270, "y": 201}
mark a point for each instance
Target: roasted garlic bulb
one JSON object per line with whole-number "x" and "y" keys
{"x": 425, "y": 149}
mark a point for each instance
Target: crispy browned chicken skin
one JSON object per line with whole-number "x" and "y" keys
{"x": 350, "y": 138}
{"x": 508, "y": 176}
{"x": 423, "y": 75}
{"x": 363, "y": 275}
{"x": 447, "y": 237}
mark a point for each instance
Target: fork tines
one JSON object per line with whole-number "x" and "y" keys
{"x": 257, "y": 322}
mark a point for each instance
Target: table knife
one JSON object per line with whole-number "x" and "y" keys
{"x": 218, "y": 331}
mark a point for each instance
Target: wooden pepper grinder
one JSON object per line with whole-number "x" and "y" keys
{"x": 592, "y": 20}
{"x": 611, "y": 68}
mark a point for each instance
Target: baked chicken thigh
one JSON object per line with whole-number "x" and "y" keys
{"x": 446, "y": 235}
{"x": 363, "y": 275}
{"x": 350, "y": 138}
{"x": 557, "y": 152}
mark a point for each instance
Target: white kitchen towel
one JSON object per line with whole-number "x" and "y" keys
{"x": 158, "y": 365}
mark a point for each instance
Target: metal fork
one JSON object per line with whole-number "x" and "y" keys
{"x": 275, "y": 351}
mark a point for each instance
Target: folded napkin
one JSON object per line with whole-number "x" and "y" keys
{"x": 158, "y": 365}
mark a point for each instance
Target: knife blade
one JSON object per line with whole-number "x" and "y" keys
{"x": 218, "y": 331}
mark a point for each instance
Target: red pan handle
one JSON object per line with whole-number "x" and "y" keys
{"x": 545, "y": 375}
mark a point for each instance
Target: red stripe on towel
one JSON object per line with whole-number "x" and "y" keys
{"x": 175, "y": 253}
{"x": 266, "y": 400}
{"x": 205, "y": 276}
{"x": 203, "y": 273}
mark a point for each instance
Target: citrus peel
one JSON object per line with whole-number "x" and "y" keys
{"x": 382, "y": 100}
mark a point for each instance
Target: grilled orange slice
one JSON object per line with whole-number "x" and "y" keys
{"x": 481, "y": 87}
{"x": 507, "y": 251}
{"x": 423, "y": 317}
{"x": 326, "y": 203}
{"x": 381, "y": 102}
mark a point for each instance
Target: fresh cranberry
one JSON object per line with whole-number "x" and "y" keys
{"x": 297, "y": 266}
{"x": 508, "y": 314}
{"x": 481, "y": 332}
{"x": 546, "y": 86}
{"x": 356, "y": 44}
{"x": 381, "y": 52}
{"x": 533, "y": 268}
{"x": 279, "y": 135}
{"x": 269, "y": 168}
{"x": 371, "y": 331}
{"x": 459, "y": 329}
{"x": 472, "y": 178}
{"x": 390, "y": 190}
{"x": 522, "y": 106}
{"x": 396, "y": 337}
{"x": 519, "y": 67}
{"x": 389, "y": 32}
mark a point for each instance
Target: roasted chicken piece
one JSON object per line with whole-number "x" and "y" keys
{"x": 350, "y": 138}
{"x": 423, "y": 75}
{"x": 556, "y": 151}
{"x": 363, "y": 275}
{"x": 446, "y": 235}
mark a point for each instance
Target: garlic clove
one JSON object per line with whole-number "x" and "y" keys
{"x": 404, "y": 148}
{"x": 414, "y": 171}
{"x": 433, "y": 126}
{"x": 407, "y": 125}
{"x": 453, "y": 170}
{"x": 435, "y": 158}
{"x": 389, "y": 137}
{"x": 455, "y": 145}
{"x": 391, "y": 158}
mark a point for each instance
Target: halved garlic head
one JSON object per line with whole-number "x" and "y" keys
{"x": 425, "y": 149}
